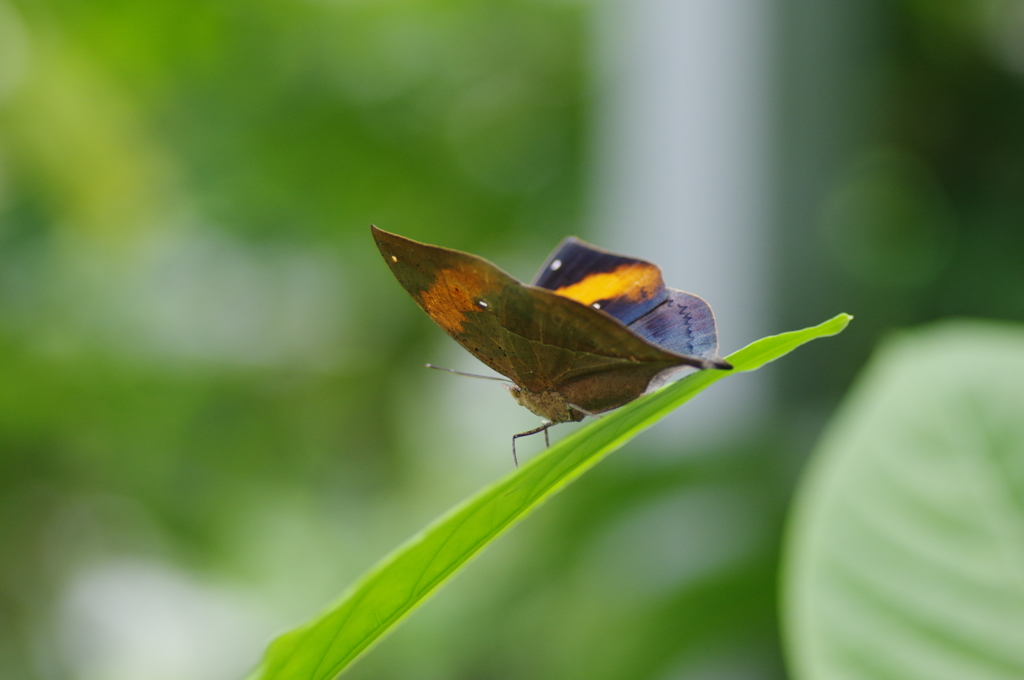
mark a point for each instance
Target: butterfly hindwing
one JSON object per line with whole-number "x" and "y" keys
{"x": 623, "y": 287}
{"x": 683, "y": 324}
{"x": 554, "y": 343}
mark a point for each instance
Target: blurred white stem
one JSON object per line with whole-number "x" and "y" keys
{"x": 682, "y": 158}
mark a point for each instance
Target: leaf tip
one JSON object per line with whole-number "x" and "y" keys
{"x": 840, "y": 321}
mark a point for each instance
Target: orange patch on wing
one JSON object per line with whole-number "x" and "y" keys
{"x": 451, "y": 296}
{"x": 638, "y": 281}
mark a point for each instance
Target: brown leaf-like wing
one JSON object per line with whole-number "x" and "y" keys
{"x": 555, "y": 343}
{"x": 459, "y": 291}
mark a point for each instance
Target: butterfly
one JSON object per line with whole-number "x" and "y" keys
{"x": 592, "y": 332}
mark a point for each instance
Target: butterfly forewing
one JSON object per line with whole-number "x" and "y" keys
{"x": 623, "y": 287}
{"x": 633, "y": 292}
{"x": 459, "y": 291}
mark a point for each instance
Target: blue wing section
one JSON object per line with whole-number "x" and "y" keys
{"x": 683, "y": 324}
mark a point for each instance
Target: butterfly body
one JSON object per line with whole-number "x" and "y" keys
{"x": 550, "y": 405}
{"x": 594, "y": 331}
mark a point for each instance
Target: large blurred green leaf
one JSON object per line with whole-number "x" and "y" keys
{"x": 323, "y": 647}
{"x": 906, "y": 550}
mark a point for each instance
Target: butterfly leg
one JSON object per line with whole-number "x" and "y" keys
{"x": 543, "y": 428}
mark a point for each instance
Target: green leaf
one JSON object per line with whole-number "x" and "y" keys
{"x": 325, "y": 646}
{"x": 905, "y": 555}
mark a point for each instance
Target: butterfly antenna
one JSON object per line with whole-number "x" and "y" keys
{"x": 468, "y": 375}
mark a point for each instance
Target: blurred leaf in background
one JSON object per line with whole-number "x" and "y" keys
{"x": 905, "y": 548}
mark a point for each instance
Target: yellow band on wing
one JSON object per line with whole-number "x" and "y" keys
{"x": 635, "y": 281}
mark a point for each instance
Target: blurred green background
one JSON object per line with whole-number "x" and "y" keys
{"x": 213, "y": 411}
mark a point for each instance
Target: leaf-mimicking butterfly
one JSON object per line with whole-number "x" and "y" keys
{"x": 594, "y": 330}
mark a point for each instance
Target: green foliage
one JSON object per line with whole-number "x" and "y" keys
{"x": 325, "y": 646}
{"x": 906, "y": 550}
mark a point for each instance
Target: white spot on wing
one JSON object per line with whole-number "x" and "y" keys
{"x": 483, "y": 303}
{"x": 596, "y": 305}
{"x": 556, "y": 265}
